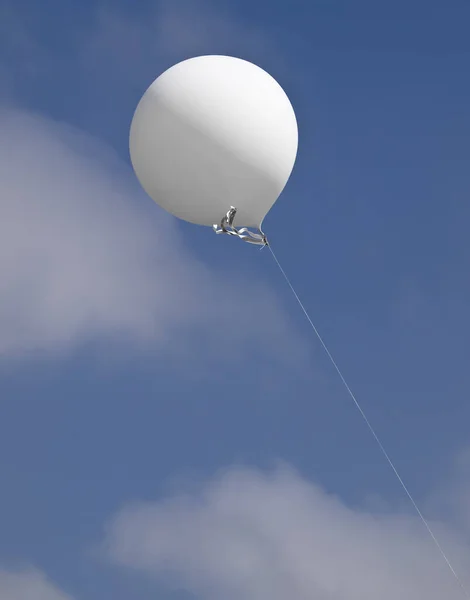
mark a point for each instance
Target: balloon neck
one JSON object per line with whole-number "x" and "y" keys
{"x": 244, "y": 233}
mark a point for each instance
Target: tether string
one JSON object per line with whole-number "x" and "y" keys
{"x": 371, "y": 429}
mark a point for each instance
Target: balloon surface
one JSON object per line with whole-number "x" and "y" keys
{"x": 214, "y": 132}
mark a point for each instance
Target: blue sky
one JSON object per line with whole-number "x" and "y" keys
{"x": 169, "y": 428}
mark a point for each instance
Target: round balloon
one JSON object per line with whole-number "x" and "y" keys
{"x": 214, "y": 132}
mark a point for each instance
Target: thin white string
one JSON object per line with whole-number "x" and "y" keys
{"x": 371, "y": 429}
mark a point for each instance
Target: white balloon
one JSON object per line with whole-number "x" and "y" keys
{"x": 214, "y": 132}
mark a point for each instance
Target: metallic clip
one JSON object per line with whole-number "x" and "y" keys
{"x": 245, "y": 234}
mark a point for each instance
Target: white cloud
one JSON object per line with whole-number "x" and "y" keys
{"x": 29, "y": 584}
{"x": 253, "y": 536}
{"x": 85, "y": 255}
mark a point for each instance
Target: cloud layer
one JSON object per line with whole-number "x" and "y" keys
{"x": 74, "y": 255}
{"x": 85, "y": 255}
{"x": 256, "y": 536}
{"x": 29, "y": 584}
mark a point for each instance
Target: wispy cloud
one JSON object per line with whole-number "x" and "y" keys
{"x": 266, "y": 536}
{"x": 85, "y": 255}
{"x": 168, "y": 32}
{"x": 29, "y": 584}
